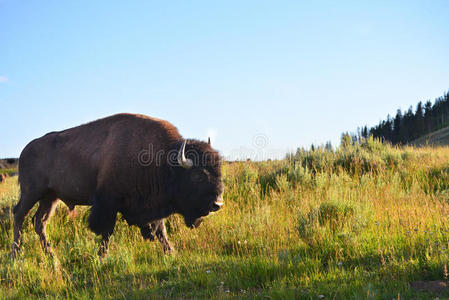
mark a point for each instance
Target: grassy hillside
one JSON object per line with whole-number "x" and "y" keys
{"x": 436, "y": 138}
{"x": 9, "y": 163}
{"x": 363, "y": 222}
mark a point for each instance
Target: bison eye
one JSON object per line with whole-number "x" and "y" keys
{"x": 199, "y": 175}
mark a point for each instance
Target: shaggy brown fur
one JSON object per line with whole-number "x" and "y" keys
{"x": 122, "y": 163}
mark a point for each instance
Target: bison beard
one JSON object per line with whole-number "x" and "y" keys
{"x": 100, "y": 164}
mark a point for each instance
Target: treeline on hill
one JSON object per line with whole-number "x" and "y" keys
{"x": 411, "y": 124}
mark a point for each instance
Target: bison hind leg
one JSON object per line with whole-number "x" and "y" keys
{"x": 22, "y": 208}
{"x": 45, "y": 210}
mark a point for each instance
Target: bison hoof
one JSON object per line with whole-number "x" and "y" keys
{"x": 47, "y": 251}
{"x": 15, "y": 251}
{"x": 169, "y": 251}
{"x": 102, "y": 252}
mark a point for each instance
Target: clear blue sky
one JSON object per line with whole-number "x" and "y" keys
{"x": 296, "y": 73}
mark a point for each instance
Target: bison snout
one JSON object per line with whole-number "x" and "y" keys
{"x": 215, "y": 207}
{"x": 218, "y": 203}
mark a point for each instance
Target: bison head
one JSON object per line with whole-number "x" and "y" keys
{"x": 199, "y": 182}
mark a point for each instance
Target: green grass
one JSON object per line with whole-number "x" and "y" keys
{"x": 361, "y": 222}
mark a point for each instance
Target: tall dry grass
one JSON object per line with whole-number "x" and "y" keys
{"x": 362, "y": 221}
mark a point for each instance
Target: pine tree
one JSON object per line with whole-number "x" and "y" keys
{"x": 408, "y": 126}
{"x": 397, "y": 122}
{"x": 428, "y": 117}
{"x": 419, "y": 126}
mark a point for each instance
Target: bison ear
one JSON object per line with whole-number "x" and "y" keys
{"x": 208, "y": 140}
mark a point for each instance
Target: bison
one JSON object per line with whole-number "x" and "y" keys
{"x": 133, "y": 164}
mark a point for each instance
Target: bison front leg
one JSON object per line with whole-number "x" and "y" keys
{"x": 157, "y": 228}
{"x": 161, "y": 233}
{"x": 147, "y": 231}
{"x": 103, "y": 250}
{"x": 102, "y": 221}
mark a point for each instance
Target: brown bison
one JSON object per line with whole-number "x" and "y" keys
{"x": 132, "y": 164}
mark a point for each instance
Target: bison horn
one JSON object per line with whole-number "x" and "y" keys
{"x": 182, "y": 160}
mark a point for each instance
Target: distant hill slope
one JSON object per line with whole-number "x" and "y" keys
{"x": 436, "y": 138}
{"x": 9, "y": 163}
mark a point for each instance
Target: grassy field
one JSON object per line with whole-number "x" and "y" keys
{"x": 365, "y": 221}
